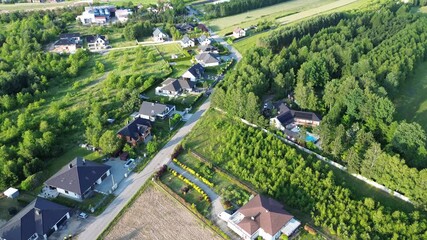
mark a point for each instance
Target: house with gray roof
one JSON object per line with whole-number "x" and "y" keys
{"x": 208, "y": 49}
{"x": 151, "y": 111}
{"x": 262, "y": 217}
{"x": 287, "y": 116}
{"x": 159, "y": 35}
{"x": 187, "y": 42}
{"x": 139, "y": 130}
{"x": 172, "y": 87}
{"x": 77, "y": 179}
{"x": 207, "y": 59}
{"x": 194, "y": 73}
{"x": 204, "y": 40}
{"x": 38, "y": 220}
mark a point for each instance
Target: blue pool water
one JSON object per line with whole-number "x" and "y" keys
{"x": 310, "y": 138}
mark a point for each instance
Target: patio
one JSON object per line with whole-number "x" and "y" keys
{"x": 118, "y": 172}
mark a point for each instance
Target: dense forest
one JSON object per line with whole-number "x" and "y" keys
{"x": 307, "y": 184}
{"x": 348, "y": 67}
{"x": 236, "y": 6}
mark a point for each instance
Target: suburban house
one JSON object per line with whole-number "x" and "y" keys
{"x": 202, "y": 27}
{"x": 287, "y": 117}
{"x": 185, "y": 27}
{"x": 38, "y": 220}
{"x": 262, "y": 217}
{"x": 96, "y": 42}
{"x": 151, "y": 111}
{"x": 207, "y": 59}
{"x": 203, "y": 40}
{"x": 64, "y": 46}
{"x": 160, "y": 36}
{"x": 97, "y": 15}
{"x": 122, "y": 15}
{"x": 208, "y": 49}
{"x": 187, "y": 42}
{"x": 74, "y": 37}
{"x": 239, "y": 32}
{"x": 172, "y": 87}
{"x": 136, "y": 131}
{"x": 77, "y": 179}
{"x": 194, "y": 73}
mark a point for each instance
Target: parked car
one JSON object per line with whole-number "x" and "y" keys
{"x": 83, "y": 215}
{"x": 129, "y": 162}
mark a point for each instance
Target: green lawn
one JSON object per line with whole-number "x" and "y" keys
{"x": 97, "y": 199}
{"x": 411, "y": 105}
{"x": 270, "y": 13}
{"x": 192, "y": 197}
{"x": 248, "y": 43}
{"x": 113, "y": 34}
{"x": 19, "y": 203}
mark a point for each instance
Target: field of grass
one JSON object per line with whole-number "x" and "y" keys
{"x": 411, "y": 105}
{"x": 192, "y": 196}
{"x": 248, "y": 43}
{"x": 227, "y": 24}
{"x": 113, "y": 33}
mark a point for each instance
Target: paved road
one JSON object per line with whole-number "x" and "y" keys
{"x": 217, "y": 207}
{"x": 314, "y": 11}
{"x": 136, "y": 180}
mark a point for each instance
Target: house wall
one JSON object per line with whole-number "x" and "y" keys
{"x": 189, "y": 76}
{"x": 72, "y": 48}
{"x": 147, "y": 117}
{"x": 306, "y": 122}
{"x": 276, "y": 123}
{"x": 99, "y": 181}
{"x": 210, "y": 64}
{"x": 206, "y": 42}
{"x": 69, "y": 194}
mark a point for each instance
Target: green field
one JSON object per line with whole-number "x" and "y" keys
{"x": 227, "y": 24}
{"x": 47, "y": 5}
{"x": 412, "y": 103}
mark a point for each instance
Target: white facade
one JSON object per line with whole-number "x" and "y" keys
{"x": 98, "y": 44}
{"x": 122, "y": 15}
{"x": 161, "y": 37}
{"x": 206, "y": 41}
{"x": 190, "y": 76}
{"x": 189, "y": 43}
{"x": 238, "y": 33}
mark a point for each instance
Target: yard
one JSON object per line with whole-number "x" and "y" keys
{"x": 156, "y": 215}
{"x": 13, "y": 204}
{"x": 411, "y": 105}
{"x": 228, "y": 24}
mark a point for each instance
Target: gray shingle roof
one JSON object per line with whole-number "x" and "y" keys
{"x": 69, "y": 35}
{"x": 206, "y": 58}
{"x": 63, "y": 42}
{"x": 207, "y": 48}
{"x": 79, "y": 177}
{"x": 27, "y": 222}
{"x": 202, "y": 38}
{"x": 152, "y": 109}
{"x": 93, "y": 38}
{"x": 135, "y": 128}
{"x": 157, "y": 32}
{"x": 197, "y": 70}
{"x": 186, "y": 39}
{"x": 176, "y": 85}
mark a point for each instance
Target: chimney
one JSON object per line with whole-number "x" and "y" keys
{"x": 253, "y": 218}
{"x": 38, "y": 212}
{"x": 84, "y": 161}
{"x": 152, "y": 104}
{"x": 70, "y": 165}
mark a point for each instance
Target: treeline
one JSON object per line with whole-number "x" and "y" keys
{"x": 236, "y": 6}
{"x": 26, "y": 72}
{"x": 350, "y": 73}
{"x": 306, "y": 184}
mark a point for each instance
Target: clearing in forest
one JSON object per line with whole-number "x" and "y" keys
{"x": 411, "y": 105}
{"x": 154, "y": 215}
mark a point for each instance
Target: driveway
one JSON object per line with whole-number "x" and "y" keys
{"x": 117, "y": 175}
{"x": 93, "y": 229}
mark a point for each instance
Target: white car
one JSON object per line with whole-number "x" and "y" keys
{"x": 129, "y": 163}
{"x": 83, "y": 215}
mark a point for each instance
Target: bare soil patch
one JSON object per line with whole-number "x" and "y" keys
{"x": 155, "y": 215}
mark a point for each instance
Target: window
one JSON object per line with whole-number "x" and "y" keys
{"x": 66, "y": 191}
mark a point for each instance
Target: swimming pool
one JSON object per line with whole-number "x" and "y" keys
{"x": 311, "y": 138}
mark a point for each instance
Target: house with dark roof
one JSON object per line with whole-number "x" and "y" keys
{"x": 262, "y": 217}
{"x": 139, "y": 130}
{"x": 185, "y": 27}
{"x": 208, "y": 49}
{"x": 187, "y": 42}
{"x": 77, "y": 179}
{"x": 194, "y": 73}
{"x": 287, "y": 116}
{"x": 38, "y": 220}
{"x": 204, "y": 40}
{"x": 202, "y": 27}
{"x": 151, "y": 111}
{"x": 207, "y": 59}
{"x": 75, "y": 37}
{"x": 172, "y": 87}
{"x": 65, "y": 46}
{"x": 96, "y": 42}
{"x": 159, "y": 35}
